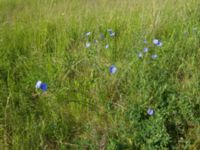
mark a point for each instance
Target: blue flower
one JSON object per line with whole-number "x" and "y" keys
{"x": 112, "y": 34}
{"x": 43, "y": 87}
{"x": 40, "y": 85}
{"x": 113, "y": 69}
{"x": 154, "y": 56}
{"x": 107, "y": 46}
{"x": 87, "y": 45}
{"x": 146, "y": 49}
{"x": 140, "y": 55}
{"x": 157, "y": 42}
{"x": 150, "y": 111}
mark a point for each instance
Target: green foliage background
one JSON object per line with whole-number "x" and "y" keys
{"x": 85, "y": 107}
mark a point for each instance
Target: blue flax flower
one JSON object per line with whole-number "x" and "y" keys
{"x": 113, "y": 69}
{"x": 150, "y": 111}
{"x": 154, "y": 56}
{"x": 112, "y": 34}
{"x": 146, "y": 50}
{"x": 87, "y": 45}
{"x": 42, "y": 86}
{"x": 157, "y": 42}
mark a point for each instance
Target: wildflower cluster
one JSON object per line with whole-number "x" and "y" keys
{"x": 112, "y": 69}
{"x": 146, "y": 49}
{"x": 101, "y": 37}
{"x": 40, "y": 85}
{"x": 158, "y": 43}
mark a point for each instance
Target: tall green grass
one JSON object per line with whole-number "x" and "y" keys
{"x": 85, "y": 107}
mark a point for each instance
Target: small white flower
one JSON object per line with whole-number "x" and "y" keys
{"x": 88, "y": 33}
{"x": 113, "y": 69}
{"x": 156, "y": 41}
{"x": 87, "y": 45}
{"x": 112, "y": 34}
{"x": 38, "y": 84}
{"x": 154, "y": 56}
{"x": 140, "y": 55}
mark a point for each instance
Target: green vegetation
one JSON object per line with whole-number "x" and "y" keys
{"x": 86, "y": 107}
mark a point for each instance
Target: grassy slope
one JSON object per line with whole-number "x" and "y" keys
{"x": 85, "y": 106}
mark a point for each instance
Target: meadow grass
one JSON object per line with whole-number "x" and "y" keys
{"x": 86, "y": 107}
